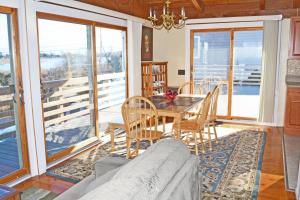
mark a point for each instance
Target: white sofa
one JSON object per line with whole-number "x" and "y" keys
{"x": 166, "y": 170}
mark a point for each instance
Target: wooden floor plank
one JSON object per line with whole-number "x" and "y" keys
{"x": 5, "y": 169}
{"x": 272, "y": 184}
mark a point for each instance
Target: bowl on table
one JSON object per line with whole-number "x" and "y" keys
{"x": 170, "y": 95}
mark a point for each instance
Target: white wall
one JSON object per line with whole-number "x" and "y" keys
{"x": 170, "y": 46}
{"x": 134, "y": 57}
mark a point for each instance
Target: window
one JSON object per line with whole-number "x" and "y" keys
{"x": 111, "y": 74}
{"x": 212, "y": 63}
{"x": 67, "y": 84}
{"x": 13, "y": 151}
{"x": 80, "y": 94}
{"x": 233, "y": 59}
{"x": 247, "y": 64}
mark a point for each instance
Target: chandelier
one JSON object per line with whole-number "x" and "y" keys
{"x": 168, "y": 18}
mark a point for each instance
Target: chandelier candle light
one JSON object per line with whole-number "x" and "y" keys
{"x": 168, "y": 18}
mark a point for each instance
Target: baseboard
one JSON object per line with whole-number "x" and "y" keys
{"x": 285, "y": 167}
{"x": 247, "y": 122}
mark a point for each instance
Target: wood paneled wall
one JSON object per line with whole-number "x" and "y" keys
{"x": 204, "y": 8}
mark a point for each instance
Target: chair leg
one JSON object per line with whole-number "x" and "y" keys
{"x": 138, "y": 145}
{"x": 176, "y": 133}
{"x": 196, "y": 143}
{"x": 209, "y": 137}
{"x": 128, "y": 145}
{"x": 179, "y": 135}
{"x": 202, "y": 142}
{"x": 187, "y": 139}
{"x": 173, "y": 132}
{"x": 164, "y": 124}
{"x": 215, "y": 130}
{"x": 112, "y": 137}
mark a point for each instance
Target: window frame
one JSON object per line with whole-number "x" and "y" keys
{"x": 231, "y": 63}
{"x": 93, "y": 24}
{"x": 21, "y": 110}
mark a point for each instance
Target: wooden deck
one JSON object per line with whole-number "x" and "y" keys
{"x": 9, "y": 157}
{"x": 58, "y": 138}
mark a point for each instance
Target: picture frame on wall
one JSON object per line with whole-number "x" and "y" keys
{"x": 147, "y": 44}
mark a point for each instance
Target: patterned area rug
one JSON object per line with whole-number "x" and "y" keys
{"x": 34, "y": 193}
{"x": 230, "y": 171}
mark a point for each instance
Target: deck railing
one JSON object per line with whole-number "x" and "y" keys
{"x": 66, "y": 99}
{"x": 73, "y": 98}
{"x": 7, "y": 119}
{"x": 242, "y": 74}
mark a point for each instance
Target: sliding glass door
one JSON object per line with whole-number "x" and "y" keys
{"x": 212, "y": 64}
{"x": 111, "y": 74}
{"x": 83, "y": 81}
{"x": 13, "y": 151}
{"x": 67, "y": 85}
{"x": 247, "y": 61}
{"x": 231, "y": 58}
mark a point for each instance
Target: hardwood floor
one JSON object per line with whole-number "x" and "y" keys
{"x": 45, "y": 182}
{"x": 272, "y": 173}
{"x": 271, "y": 183}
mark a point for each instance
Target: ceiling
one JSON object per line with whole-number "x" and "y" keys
{"x": 203, "y": 8}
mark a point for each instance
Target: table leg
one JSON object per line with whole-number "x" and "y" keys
{"x": 177, "y": 133}
{"x": 112, "y": 137}
{"x": 164, "y": 123}
{"x": 209, "y": 137}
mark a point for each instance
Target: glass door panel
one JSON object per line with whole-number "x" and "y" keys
{"x": 67, "y": 84}
{"x": 211, "y": 65}
{"x": 12, "y": 132}
{"x": 247, "y": 73}
{"x": 111, "y": 74}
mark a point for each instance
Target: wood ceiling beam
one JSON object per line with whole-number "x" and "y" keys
{"x": 296, "y": 3}
{"x": 262, "y": 4}
{"x": 197, "y": 4}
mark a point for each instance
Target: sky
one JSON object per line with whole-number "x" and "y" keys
{"x": 214, "y": 47}
{"x": 55, "y": 35}
{"x": 3, "y": 33}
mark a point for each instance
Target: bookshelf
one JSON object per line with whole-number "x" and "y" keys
{"x": 154, "y": 78}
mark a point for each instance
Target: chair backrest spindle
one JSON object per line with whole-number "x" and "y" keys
{"x": 204, "y": 110}
{"x": 214, "y": 103}
{"x": 138, "y": 112}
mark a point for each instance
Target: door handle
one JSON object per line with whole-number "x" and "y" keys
{"x": 14, "y": 99}
{"x": 21, "y": 92}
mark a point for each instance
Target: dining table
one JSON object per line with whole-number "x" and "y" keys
{"x": 175, "y": 109}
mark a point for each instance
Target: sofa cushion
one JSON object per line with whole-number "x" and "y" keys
{"x": 107, "y": 164}
{"x": 147, "y": 175}
{"x": 75, "y": 191}
{"x": 99, "y": 181}
{"x": 105, "y": 169}
{"x": 186, "y": 184}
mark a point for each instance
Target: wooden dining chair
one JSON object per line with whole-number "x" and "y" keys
{"x": 195, "y": 125}
{"x": 141, "y": 121}
{"x": 184, "y": 88}
{"x": 212, "y": 117}
{"x": 193, "y": 87}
